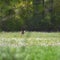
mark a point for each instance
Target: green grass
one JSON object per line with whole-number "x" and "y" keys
{"x": 31, "y": 48}
{"x": 30, "y": 53}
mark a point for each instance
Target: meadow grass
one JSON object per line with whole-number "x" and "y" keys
{"x": 30, "y": 46}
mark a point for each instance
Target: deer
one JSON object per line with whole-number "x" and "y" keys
{"x": 22, "y": 30}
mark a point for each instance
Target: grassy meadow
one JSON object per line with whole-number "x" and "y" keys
{"x": 30, "y": 46}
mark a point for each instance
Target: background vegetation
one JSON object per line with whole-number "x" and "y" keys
{"x": 34, "y": 15}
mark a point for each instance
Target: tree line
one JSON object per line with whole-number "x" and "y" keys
{"x": 33, "y": 15}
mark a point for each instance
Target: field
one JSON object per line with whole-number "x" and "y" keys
{"x": 30, "y": 46}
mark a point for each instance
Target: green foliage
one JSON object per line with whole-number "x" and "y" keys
{"x": 11, "y": 25}
{"x": 33, "y": 14}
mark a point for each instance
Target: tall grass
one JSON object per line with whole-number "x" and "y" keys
{"x": 32, "y": 51}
